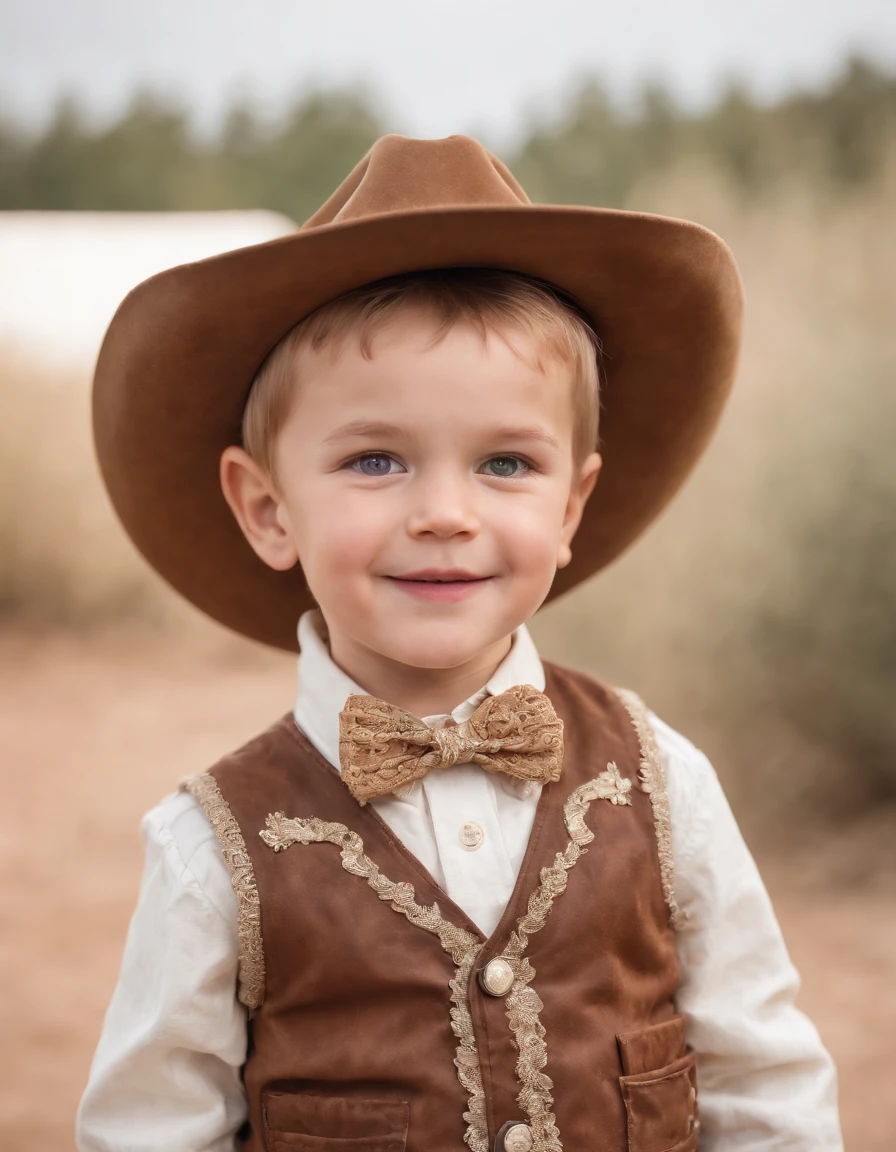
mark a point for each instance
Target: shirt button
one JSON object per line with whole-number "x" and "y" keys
{"x": 471, "y": 836}
{"x": 514, "y": 1138}
{"x": 496, "y": 977}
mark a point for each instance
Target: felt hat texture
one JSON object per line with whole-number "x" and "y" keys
{"x": 178, "y": 359}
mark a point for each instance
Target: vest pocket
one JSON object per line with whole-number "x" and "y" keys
{"x": 659, "y": 1088}
{"x": 299, "y": 1122}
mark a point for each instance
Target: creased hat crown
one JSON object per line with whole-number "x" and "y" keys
{"x": 401, "y": 174}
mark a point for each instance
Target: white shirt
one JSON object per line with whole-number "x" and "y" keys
{"x": 166, "y": 1073}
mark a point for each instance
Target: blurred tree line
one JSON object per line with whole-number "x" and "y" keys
{"x": 595, "y": 153}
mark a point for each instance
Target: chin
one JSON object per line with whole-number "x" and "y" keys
{"x": 438, "y": 651}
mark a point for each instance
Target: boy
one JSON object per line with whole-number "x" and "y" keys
{"x": 461, "y": 894}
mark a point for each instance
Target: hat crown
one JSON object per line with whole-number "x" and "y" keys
{"x": 400, "y": 174}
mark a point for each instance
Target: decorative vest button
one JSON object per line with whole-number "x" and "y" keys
{"x": 496, "y": 977}
{"x": 471, "y": 836}
{"x": 514, "y": 1137}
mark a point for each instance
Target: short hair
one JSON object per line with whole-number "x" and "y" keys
{"x": 488, "y": 299}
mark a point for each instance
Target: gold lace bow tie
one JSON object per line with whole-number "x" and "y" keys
{"x": 383, "y": 748}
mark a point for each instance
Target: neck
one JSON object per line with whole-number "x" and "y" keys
{"x": 420, "y": 691}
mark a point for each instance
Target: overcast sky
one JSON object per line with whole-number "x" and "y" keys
{"x": 441, "y": 66}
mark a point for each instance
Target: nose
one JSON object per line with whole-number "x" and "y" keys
{"x": 443, "y": 504}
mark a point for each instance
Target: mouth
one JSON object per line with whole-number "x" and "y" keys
{"x": 445, "y": 585}
{"x": 441, "y": 576}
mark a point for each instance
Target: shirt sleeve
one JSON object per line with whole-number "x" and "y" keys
{"x": 166, "y": 1073}
{"x": 764, "y": 1078}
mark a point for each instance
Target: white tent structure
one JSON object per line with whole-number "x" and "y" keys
{"x": 63, "y": 274}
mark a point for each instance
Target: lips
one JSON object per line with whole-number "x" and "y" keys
{"x": 440, "y": 575}
{"x": 440, "y": 585}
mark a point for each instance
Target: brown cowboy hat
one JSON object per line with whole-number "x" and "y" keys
{"x": 178, "y": 359}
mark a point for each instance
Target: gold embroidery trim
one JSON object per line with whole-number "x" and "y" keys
{"x": 462, "y": 946}
{"x": 524, "y": 1004}
{"x": 204, "y": 788}
{"x": 653, "y": 782}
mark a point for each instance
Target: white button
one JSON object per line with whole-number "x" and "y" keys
{"x": 518, "y": 1138}
{"x": 471, "y": 836}
{"x": 496, "y": 977}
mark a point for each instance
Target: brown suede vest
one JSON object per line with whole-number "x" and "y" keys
{"x": 371, "y": 1030}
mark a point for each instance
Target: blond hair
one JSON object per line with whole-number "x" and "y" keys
{"x": 488, "y": 299}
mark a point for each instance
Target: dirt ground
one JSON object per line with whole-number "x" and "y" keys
{"x": 94, "y": 730}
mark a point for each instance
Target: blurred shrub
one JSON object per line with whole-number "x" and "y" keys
{"x": 64, "y": 559}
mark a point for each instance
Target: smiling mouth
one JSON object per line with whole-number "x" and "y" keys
{"x": 450, "y": 576}
{"x": 446, "y": 587}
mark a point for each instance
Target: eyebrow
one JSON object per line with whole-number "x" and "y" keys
{"x": 368, "y": 428}
{"x": 376, "y": 428}
{"x": 524, "y": 432}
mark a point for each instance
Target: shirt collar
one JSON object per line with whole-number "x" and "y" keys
{"x": 324, "y": 687}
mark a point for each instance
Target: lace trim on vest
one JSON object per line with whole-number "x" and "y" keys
{"x": 205, "y": 789}
{"x": 461, "y": 946}
{"x": 524, "y": 1004}
{"x": 653, "y": 782}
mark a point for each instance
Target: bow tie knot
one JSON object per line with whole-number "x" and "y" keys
{"x": 454, "y": 744}
{"x": 383, "y": 748}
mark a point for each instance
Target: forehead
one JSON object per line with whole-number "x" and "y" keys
{"x": 412, "y": 369}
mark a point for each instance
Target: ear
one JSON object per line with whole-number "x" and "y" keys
{"x": 581, "y": 488}
{"x": 256, "y": 503}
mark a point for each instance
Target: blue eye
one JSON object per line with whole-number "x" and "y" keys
{"x": 374, "y": 464}
{"x": 507, "y": 466}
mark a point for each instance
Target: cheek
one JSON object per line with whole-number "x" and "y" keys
{"x": 338, "y": 536}
{"x": 530, "y": 532}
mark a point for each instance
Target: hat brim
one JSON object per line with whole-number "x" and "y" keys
{"x": 178, "y": 359}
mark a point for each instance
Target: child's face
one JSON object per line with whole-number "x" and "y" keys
{"x": 452, "y": 461}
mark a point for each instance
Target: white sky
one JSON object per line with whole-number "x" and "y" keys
{"x": 441, "y": 66}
